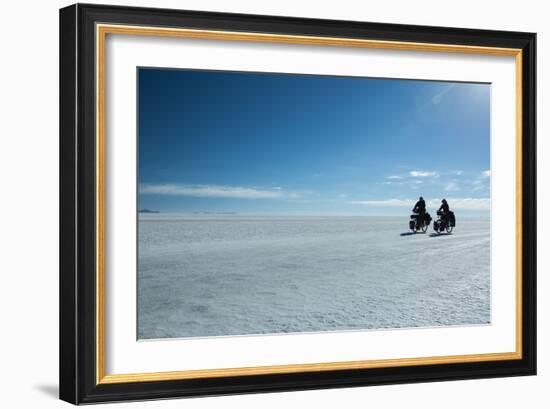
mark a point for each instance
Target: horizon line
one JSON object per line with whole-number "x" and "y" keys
{"x": 230, "y": 213}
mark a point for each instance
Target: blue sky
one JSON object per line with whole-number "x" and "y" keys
{"x": 214, "y": 141}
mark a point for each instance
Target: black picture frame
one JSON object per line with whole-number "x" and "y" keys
{"x": 78, "y": 313}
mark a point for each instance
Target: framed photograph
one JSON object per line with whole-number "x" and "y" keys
{"x": 256, "y": 203}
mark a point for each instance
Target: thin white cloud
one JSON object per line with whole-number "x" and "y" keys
{"x": 401, "y": 182}
{"x": 394, "y": 177}
{"x": 387, "y": 202}
{"x": 232, "y": 192}
{"x": 451, "y": 187}
{"x": 457, "y": 172}
{"x": 464, "y": 203}
{"x": 481, "y": 182}
{"x": 422, "y": 174}
{"x": 438, "y": 98}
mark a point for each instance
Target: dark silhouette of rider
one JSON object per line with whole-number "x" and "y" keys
{"x": 444, "y": 210}
{"x": 420, "y": 209}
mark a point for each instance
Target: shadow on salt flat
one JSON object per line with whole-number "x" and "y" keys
{"x": 440, "y": 234}
{"x": 410, "y": 233}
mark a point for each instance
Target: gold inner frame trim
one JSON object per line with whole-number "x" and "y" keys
{"x": 101, "y": 33}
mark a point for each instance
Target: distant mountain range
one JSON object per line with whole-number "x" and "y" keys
{"x": 148, "y": 211}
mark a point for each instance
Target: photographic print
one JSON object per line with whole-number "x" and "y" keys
{"x": 254, "y": 204}
{"x": 274, "y": 203}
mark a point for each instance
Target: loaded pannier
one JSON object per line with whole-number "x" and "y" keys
{"x": 427, "y": 219}
{"x": 452, "y": 220}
